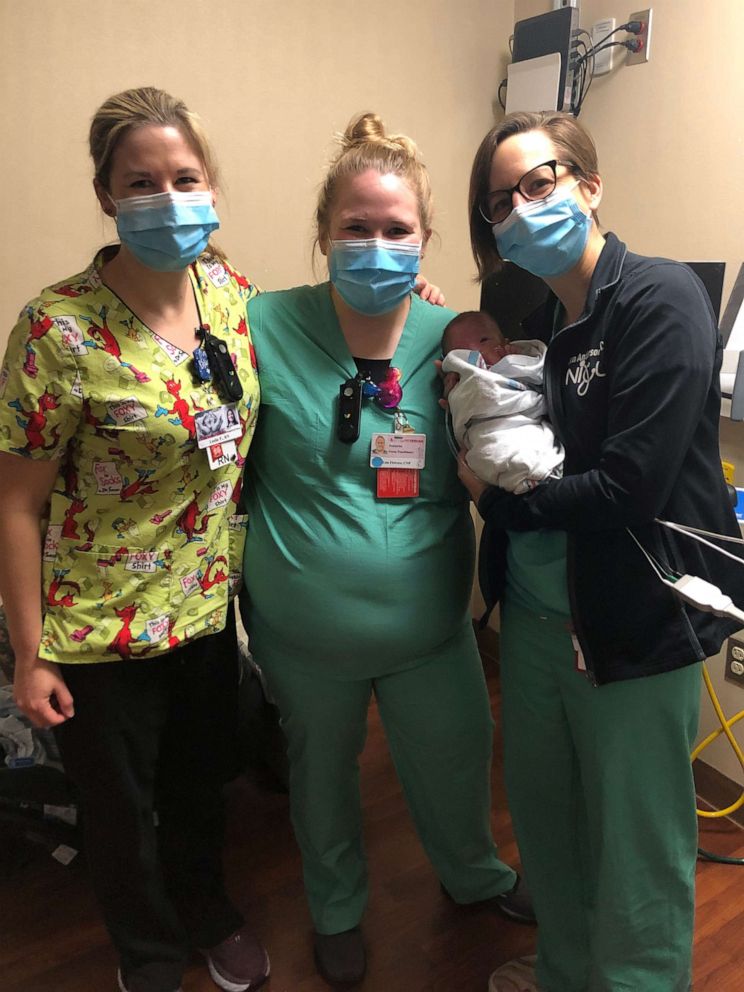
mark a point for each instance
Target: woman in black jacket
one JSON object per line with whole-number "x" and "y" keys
{"x": 599, "y": 659}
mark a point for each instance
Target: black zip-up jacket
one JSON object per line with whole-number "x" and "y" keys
{"x": 633, "y": 393}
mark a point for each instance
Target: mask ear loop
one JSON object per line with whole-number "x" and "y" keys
{"x": 114, "y": 205}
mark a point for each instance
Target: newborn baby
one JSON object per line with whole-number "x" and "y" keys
{"x": 498, "y": 409}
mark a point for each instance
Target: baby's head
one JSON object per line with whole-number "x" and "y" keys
{"x": 474, "y": 330}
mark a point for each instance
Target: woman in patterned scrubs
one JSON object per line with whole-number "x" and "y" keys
{"x": 131, "y": 653}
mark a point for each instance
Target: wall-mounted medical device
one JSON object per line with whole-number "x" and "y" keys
{"x": 540, "y": 76}
{"x": 554, "y": 60}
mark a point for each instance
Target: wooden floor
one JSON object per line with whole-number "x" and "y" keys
{"x": 51, "y": 939}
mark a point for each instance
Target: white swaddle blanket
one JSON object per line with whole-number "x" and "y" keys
{"x": 499, "y": 414}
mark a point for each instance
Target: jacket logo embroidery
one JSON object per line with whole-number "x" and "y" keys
{"x": 585, "y": 367}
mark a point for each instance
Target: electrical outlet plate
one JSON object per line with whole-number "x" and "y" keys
{"x": 557, "y": 4}
{"x": 636, "y": 58}
{"x": 734, "y": 670}
{"x": 604, "y": 61}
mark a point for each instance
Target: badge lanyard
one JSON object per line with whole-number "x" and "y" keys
{"x": 217, "y": 428}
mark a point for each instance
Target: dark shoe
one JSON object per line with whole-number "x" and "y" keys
{"x": 340, "y": 957}
{"x": 135, "y": 985}
{"x": 240, "y": 963}
{"x": 516, "y": 904}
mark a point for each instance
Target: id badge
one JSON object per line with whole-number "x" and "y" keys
{"x": 222, "y": 454}
{"x": 398, "y": 451}
{"x": 217, "y": 425}
{"x": 398, "y": 458}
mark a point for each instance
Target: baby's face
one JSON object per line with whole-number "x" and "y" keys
{"x": 477, "y": 335}
{"x": 493, "y": 349}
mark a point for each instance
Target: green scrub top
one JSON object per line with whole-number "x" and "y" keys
{"x": 337, "y": 579}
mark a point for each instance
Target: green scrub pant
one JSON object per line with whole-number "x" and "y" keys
{"x": 439, "y": 728}
{"x": 602, "y": 799}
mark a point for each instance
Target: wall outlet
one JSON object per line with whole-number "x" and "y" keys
{"x": 557, "y": 4}
{"x": 734, "y": 670}
{"x": 644, "y": 53}
{"x": 604, "y": 60}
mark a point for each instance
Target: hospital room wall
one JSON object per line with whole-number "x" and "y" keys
{"x": 670, "y": 135}
{"x": 273, "y": 83}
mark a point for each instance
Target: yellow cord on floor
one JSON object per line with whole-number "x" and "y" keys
{"x": 725, "y": 728}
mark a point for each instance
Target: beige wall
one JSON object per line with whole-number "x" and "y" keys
{"x": 668, "y": 132}
{"x": 273, "y": 82}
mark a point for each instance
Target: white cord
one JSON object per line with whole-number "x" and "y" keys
{"x": 685, "y": 529}
{"x": 692, "y": 589}
{"x": 694, "y": 533}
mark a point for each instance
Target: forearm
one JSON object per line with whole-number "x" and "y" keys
{"x": 20, "y": 581}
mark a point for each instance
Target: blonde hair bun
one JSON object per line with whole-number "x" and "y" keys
{"x": 365, "y": 145}
{"x": 369, "y": 128}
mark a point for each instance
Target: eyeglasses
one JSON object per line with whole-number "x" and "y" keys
{"x": 536, "y": 184}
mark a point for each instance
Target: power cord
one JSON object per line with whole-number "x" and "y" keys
{"x": 502, "y": 85}
{"x": 584, "y": 66}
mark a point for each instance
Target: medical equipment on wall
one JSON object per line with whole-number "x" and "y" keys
{"x": 554, "y": 60}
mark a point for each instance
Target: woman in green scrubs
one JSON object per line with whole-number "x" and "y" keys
{"x": 358, "y": 565}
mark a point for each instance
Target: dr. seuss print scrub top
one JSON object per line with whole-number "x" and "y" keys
{"x": 144, "y": 542}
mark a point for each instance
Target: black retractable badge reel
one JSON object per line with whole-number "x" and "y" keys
{"x": 349, "y": 410}
{"x": 225, "y": 377}
{"x": 212, "y": 360}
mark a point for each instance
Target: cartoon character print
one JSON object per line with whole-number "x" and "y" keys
{"x": 33, "y": 423}
{"x": 125, "y": 484}
{"x": 238, "y": 278}
{"x": 102, "y": 337}
{"x": 69, "y": 524}
{"x": 56, "y": 595}
{"x": 188, "y": 522}
{"x": 181, "y": 415}
{"x": 139, "y": 486}
{"x": 38, "y": 327}
{"x": 89, "y": 529}
{"x": 101, "y": 426}
{"x": 124, "y": 639}
{"x": 75, "y": 287}
{"x": 79, "y": 635}
{"x": 212, "y": 574}
{"x": 173, "y": 641}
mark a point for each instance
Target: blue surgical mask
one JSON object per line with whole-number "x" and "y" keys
{"x": 166, "y": 231}
{"x": 545, "y": 237}
{"x": 373, "y": 275}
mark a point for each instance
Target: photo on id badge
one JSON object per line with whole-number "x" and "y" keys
{"x": 217, "y": 425}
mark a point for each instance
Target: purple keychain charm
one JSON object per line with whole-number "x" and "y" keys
{"x": 390, "y": 392}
